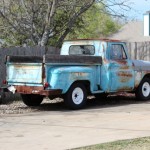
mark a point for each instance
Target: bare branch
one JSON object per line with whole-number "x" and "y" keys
{"x": 39, "y": 21}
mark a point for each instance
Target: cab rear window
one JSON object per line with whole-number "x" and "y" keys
{"x": 81, "y": 50}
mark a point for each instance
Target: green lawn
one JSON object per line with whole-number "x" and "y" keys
{"x": 135, "y": 144}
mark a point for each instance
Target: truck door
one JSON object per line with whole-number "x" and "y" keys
{"x": 121, "y": 72}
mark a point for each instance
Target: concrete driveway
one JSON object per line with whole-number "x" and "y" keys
{"x": 59, "y": 129}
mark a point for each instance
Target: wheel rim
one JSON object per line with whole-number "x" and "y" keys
{"x": 146, "y": 89}
{"x": 77, "y": 96}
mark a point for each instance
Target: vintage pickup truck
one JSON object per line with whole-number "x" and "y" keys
{"x": 84, "y": 67}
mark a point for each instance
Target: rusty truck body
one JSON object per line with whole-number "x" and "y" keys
{"x": 84, "y": 67}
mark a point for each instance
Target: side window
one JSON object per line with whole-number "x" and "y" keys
{"x": 82, "y": 50}
{"x": 117, "y": 52}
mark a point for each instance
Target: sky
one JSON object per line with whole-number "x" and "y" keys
{"x": 138, "y": 8}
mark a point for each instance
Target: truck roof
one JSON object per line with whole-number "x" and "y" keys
{"x": 100, "y": 39}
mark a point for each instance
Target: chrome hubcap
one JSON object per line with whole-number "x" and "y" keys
{"x": 146, "y": 89}
{"x": 77, "y": 96}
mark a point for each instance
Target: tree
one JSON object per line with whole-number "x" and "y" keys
{"x": 42, "y": 22}
{"x": 95, "y": 24}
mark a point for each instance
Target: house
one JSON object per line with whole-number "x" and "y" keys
{"x": 133, "y": 31}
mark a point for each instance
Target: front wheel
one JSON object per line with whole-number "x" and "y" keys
{"x": 143, "y": 91}
{"x": 76, "y": 96}
{"x": 32, "y": 100}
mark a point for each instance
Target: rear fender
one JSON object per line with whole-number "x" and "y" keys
{"x": 64, "y": 77}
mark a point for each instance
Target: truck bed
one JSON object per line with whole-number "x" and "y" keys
{"x": 30, "y": 70}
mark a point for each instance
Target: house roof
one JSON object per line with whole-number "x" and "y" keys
{"x": 131, "y": 32}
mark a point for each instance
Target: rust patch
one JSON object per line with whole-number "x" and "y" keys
{"x": 122, "y": 62}
{"x": 77, "y": 76}
{"x": 136, "y": 84}
{"x": 105, "y": 61}
{"x": 124, "y": 89}
{"x": 51, "y": 92}
{"x": 82, "y": 74}
{"x": 103, "y": 47}
{"x": 138, "y": 78}
{"x": 124, "y": 77}
{"x": 146, "y": 72}
{"x": 43, "y": 72}
{"x": 124, "y": 67}
{"x": 122, "y": 74}
{"x": 28, "y": 89}
{"x": 36, "y": 90}
{"x": 18, "y": 66}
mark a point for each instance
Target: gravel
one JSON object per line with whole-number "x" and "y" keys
{"x": 18, "y": 107}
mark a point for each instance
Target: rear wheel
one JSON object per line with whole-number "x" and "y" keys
{"x": 76, "y": 96}
{"x": 32, "y": 100}
{"x": 143, "y": 91}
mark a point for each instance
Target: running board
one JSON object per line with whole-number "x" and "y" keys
{"x": 96, "y": 92}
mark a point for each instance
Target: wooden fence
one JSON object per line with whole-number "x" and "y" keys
{"x": 26, "y": 51}
{"x": 139, "y": 50}
{"x": 136, "y": 51}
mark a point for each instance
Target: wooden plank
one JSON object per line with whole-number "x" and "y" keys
{"x": 56, "y": 59}
{"x": 25, "y": 59}
{"x": 73, "y": 59}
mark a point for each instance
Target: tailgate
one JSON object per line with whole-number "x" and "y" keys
{"x": 25, "y": 70}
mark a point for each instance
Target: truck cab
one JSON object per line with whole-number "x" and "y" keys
{"x": 116, "y": 71}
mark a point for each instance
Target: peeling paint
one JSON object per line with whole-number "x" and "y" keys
{"x": 36, "y": 90}
{"x": 25, "y": 73}
{"x": 82, "y": 74}
{"x": 124, "y": 67}
{"x": 125, "y": 77}
{"x": 127, "y": 88}
{"x": 138, "y": 78}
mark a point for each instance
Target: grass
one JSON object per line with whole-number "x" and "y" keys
{"x": 135, "y": 144}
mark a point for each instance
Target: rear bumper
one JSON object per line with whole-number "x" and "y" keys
{"x": 33, "y": 90}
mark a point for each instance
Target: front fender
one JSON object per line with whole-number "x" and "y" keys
{"x": 142, "y": 69}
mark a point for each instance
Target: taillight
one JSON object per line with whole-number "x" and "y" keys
{"x": 46, "y": 85}
{"x": 4, "y": 82}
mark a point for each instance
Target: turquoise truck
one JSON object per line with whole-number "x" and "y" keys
{"x": 84, "y": 67}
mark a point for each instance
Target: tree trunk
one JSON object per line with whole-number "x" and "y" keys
{"x": 49, "y": 19}
{"x": 72, "y": 20}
